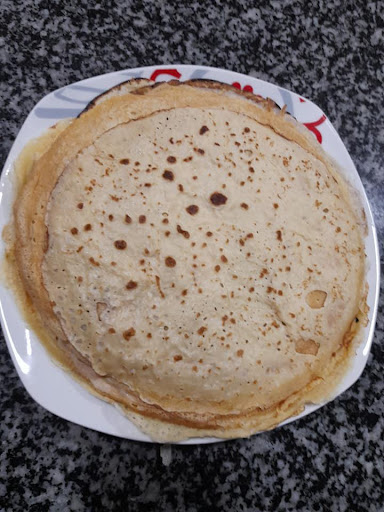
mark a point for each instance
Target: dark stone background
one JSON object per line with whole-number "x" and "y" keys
{"x": 329, "y": 51}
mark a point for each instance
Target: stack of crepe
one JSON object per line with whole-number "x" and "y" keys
{"x": 191, "y": 254}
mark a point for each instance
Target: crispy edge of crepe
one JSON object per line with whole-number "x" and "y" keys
{"x": 161, "y": 425}
{"x": 126, "y": 87}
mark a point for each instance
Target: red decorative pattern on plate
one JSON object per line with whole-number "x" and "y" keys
{"x": 170, "y": 72}
{"x": 313, "y": 127}
{"x": 246, "y": 88}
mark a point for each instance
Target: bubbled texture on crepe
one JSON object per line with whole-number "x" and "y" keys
{"x": 211, "y": 311}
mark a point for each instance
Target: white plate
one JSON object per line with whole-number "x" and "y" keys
{"x": 52, "y": 387}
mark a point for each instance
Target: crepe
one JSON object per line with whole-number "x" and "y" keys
{"x": 194, "y": 257}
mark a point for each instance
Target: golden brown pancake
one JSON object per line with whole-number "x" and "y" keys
{"x": 195, "y": 257}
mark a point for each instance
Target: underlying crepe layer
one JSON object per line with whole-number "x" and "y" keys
{"x": 118, "y": 90}
{"x": 198, "y": 259}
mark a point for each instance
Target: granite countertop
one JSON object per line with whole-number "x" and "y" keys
{"x": 330, "y": 460}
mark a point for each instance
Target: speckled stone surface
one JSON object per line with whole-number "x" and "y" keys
{"x": 329, "y": 51}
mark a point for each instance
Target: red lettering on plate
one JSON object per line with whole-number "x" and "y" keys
{"x": 171, "y": 72}
{"x": 313, "y": 127}
{"x": 246, "y": 88}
